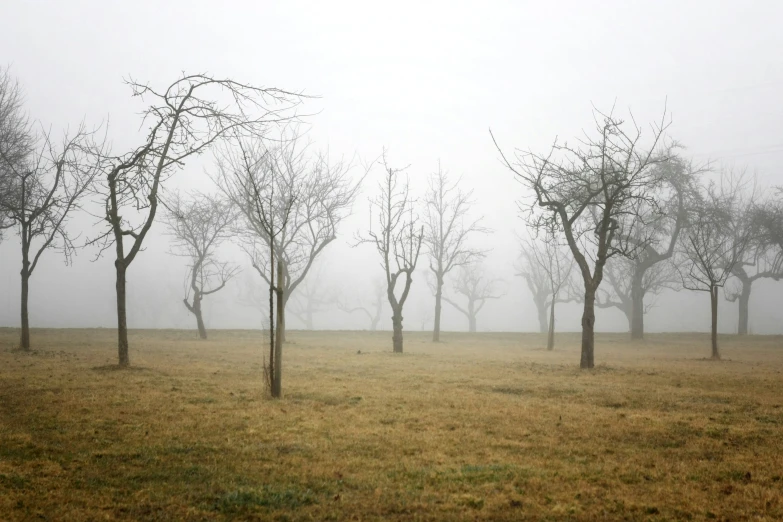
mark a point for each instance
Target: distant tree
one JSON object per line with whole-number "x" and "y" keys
{"x": 447, "y": 228}
{"x": 762, "y": 259}
{"x": 185, "y": 119}
{"x": 717, "y": 240}
{"x": 43, "y": 183}
{"x": 397, "y": 239}
{"x": 250, "y": 293}
{"x": 591, "y": 192}
{"x": 473, "y": 285}
{"x": 545, "y": 258}
{"x": 321, "y": 193}
{"x": 199, "y": 225}
{"x": 657, "y": 222}
{"x": 373, "y": 309}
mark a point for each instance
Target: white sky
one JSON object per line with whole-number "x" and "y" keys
{"x": 424, "y": 79}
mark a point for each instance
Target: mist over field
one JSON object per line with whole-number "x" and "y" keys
{"x": 425, "y": 82}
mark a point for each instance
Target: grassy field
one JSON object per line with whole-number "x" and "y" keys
{"x": 479, "y": 427}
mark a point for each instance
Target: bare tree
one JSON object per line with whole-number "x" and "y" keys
{"x": 397, "y": 239}
{"x": 446, "y": 232}
{"x": 546, "y": 258}
{"x": 199, "y": 225}
{"x": 373, "y": 309}
{"x": 717, "y": 240}
{"x": 473, "y": 284}
{"x": 762, "y": 259}
{"x": 254, "y": 180}
{"x": 592, "y": 192}
{"x": 626, "y": 286}
{"x": 250, "y": 293}
{"x": 43, "y": 184}
{"x": 321, "y": 193}
{"x": 186, "y": 118}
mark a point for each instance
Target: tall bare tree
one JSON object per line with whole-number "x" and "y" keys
{"x": 447, "y": 228}
{"x": 397, "y": 239}
{"x": 473, "y": 285}
{"x": 184, "y": 119}
{"x": 321, "y": 193}
{"x": 373, "y": 309}
{"x": 199, "y": 225}
{"x": 546, "y": 258}
{"x": 592, "y": 192}
{"x": 717, "y": 240}
{"x": 43, "y": 184}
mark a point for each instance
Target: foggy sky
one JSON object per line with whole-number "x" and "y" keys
{"x": 424, "y": 81}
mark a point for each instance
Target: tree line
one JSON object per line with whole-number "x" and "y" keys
{"x": 618, "y": 203}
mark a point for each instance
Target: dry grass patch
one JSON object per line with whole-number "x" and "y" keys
{"x": 482, "y": 426}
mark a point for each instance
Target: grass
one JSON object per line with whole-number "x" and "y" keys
{"x": 479, "y": 427}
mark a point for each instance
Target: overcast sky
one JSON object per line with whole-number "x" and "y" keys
{"x": 426, "y": 80}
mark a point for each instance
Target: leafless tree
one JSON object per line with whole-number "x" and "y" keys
{"x": 546, "y": 259}
{"x": 397, "y": 239}
{"x": 447, "y": 228}
{"x": 762, "y": 259}
{"x": 592, "y": 192}
{"x": 473, "y": 284}
{"x": 373, "y": 309}
{"x": 254, "y": 179}
{"x": 250, "y": 293}
{"x": 43, "y": 182}
{"x": 184, "y": 119}
{"x": 624, "y": 285}
{"x": 199, "y": 225}
{"x": 717, "y": 240}
{"x": 321, "y": 193}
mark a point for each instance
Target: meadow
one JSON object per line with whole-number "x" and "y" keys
{"x": 479, "y": 427}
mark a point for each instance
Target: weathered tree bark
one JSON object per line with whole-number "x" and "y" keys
{"x": 714, "y": 329}
{"x": 122, "y": 318}
{"x": 24, "y": 342}
{"x": 195, "y": 309}
{"x": 550, "y": 341}
{"x": 637, "y": 307}
{"x": 438, "y": 308}
{"x": 278, "y": 363}
{"x": 588, "y": 331}
{"x": 397, "y": 330}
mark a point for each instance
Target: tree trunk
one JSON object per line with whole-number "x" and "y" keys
{"x": 397, "y": 331}
{"x": 438, "y": 307}
{"x": 637, "y": 308}
{"x": 122, "y": 318}
{"x": 24, "y": 341}
{"x": 202, "y": 331}
{"x": 588, "y": 331}
{"x": 278, "y": 366}
{"x": 550, "y": 341}
{"x": 714, "y": 329}
{"x": 541, "y": 307}
{"x": 744, "y": 304}
{"x": 471, "y": 317}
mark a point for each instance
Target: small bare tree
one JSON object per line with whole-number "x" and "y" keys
{"x": 312, "y": 299}
{"x": 447, "y": 228}
{"x": 473, "y": 284}
{"x": 320, "y": 191}
{"x": 547, "y": 258}
{"x": 592, "y": 193}
{"x": 717, "y": 240}
{"x": 372, "y": 310}
{"x": 199, "y": 225}
{"x": 43, "y": 184}
{"x": 397, "y": 239}
{"x": 185, "y": 119}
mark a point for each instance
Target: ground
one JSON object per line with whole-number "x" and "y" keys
{"x": 478, "y": 427}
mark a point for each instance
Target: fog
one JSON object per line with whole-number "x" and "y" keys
{"x": 425, "y": 81}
